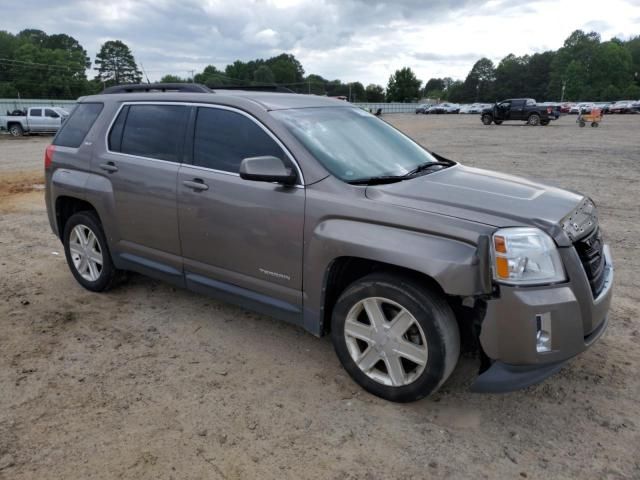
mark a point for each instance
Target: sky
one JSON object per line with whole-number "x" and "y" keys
{"x": 353, "y": 40}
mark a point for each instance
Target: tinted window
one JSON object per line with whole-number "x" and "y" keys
{"x": 50, "y": 113}
{"x": 76, "y": 127}
{"x": 36, "y": 112}
{"x": 224, "y": 138}
{"x": 155, "y": 131}
{"x": 115, "y": 136}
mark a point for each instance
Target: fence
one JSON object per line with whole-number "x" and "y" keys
{"x": 10, "y": 104}
{"x": 389, "y": 107}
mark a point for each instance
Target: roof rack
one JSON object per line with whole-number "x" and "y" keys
{"x": 158, "y": 87}
{"x": 255, "y": 88}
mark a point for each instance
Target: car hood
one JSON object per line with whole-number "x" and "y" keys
{"x": 483, "y": 196}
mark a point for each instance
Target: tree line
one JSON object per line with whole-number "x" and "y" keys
{"x": 34, "y": 64}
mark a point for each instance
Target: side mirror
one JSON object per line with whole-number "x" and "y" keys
{"x": 267, "y": 169}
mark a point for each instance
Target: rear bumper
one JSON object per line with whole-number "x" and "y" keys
{"x": 510, "y": 327}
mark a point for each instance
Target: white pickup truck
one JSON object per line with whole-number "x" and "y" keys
{"x": 36, "y": 120}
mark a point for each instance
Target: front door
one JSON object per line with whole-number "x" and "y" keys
{"x": 239, "y": 237}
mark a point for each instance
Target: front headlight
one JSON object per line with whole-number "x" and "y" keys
{"x": 525, "y": 256}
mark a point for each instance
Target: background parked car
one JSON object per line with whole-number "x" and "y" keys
{"x": 584, "y": 107}
{"x": 622, "y": 106}
{"x": 445, "y": 108}
{"x": 422, "y": 108}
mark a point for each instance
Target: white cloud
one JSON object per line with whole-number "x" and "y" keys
{"x": 363, "y": 40}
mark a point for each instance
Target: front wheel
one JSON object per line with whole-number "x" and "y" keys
{"x": 498, "y": 122}
{"x": 397, "y": 339}
{"x": 88, "y": 257}
{"x": 16, "y": 130}
{"x": 534, "y": 119}
{"x": 487, "y": 119}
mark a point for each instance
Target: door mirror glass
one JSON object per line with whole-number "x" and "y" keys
{"x": 267, "y": 169}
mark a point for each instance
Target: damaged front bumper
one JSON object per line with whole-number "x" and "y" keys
{"x": 511, "y": 330}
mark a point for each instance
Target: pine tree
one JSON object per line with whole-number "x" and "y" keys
{"x": 116, "y": 65}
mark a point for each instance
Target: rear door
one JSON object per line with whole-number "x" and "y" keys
{"x": 141, "y": 162}
{"x": 242, "y": 237}
{"x": 36, "y": 121}
{"x": 517, "y": 110}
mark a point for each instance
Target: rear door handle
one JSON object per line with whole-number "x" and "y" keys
{"x": 109, "y": 167}
{"x": 196, "y": 184}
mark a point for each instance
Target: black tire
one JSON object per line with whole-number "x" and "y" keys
{"x": 108, "y": 273}
{"x": 16, "y": 130}
{"x": 498, "y": 122}
{"x": 544, "y": 123}
{"x": 533, "y": 120}
{"x": 595, "y": 124}
{"x": 432, "y": 313}
{"x": 486, "y": 119}
{"x": 582, "y": 123}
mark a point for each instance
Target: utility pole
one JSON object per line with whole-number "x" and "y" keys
{"x": 564, "y": 84}
{"x": 193, "y": 74}
{"x": 349, "y": 92}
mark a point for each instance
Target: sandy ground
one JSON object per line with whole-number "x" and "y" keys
{"x": 152, "y": 382}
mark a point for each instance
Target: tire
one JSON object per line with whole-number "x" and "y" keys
{"x": 533, "y": 120}
{"x": 16, "y": 130}
{"x": 80, "y": 230}
{"x": 498, "y": 122}
{"x": 426, "y": 330}
{"x": 486, "y": 119}
{"x": 582, "y": 123}
{"x": 544, "y": 123}
{"x": 595, "y": 124}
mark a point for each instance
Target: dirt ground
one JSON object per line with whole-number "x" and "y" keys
{"x": 148, "y": 381}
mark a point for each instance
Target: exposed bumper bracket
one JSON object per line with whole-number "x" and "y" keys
{"x": 502, "y": 377}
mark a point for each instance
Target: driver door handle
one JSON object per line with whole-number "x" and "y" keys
{"x": 196, "y": 184}
{"x": 109, "y": 167}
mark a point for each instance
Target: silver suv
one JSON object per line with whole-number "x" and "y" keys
{"x": 316, "y": 212}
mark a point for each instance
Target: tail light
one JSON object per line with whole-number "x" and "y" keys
{"x": 48, "y": 156}
{"x": 549, "y": 110}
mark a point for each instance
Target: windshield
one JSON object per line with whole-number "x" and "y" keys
{"x": 353, "y": 144}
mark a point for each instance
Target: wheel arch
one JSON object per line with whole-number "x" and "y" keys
{"x": 66, "y": 206}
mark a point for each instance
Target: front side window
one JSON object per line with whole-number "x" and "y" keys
{"x": 50, "y": 113}
{"x": 222, "y": 139}
{"x": 353, "y": 144}
{"x": 154, "y": 131}
{"x": 76, "y": 127}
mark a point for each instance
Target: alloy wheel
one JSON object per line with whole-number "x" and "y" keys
{"x": 86, "y": 252}
{"x": 385, "y": 341}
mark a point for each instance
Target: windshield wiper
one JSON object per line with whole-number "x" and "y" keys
{"x": 377, "y": 180}
{"x": 427, "y": 165}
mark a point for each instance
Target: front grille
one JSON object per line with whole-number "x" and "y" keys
{"x": 590, "y": 252}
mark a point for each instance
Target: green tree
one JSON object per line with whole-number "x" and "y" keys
{"x": 478, "y": 86}
{"x": 172, "y": 79}
{"x": 455, "y": 92}
{"x": 610, "y": 93}
{"x": 611, "y": 64}
{"x": 374, "y": 93}
{"x": 632, "y": 92}
{"x": 115, "y": 64}
{"x": 576, "y": 81}
{"x": 263, "y": 74}
{"x": 286, "y": 69}
{"x": 212, "y": 77}
{"x": 403, "y": 86}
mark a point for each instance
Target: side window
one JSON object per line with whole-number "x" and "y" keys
{"x": 224, "y": 138}
{"x": 50, "y": 113}
{"x": 154, "y": 131}
{"x": 36, "y": 112}
{"x": 76, "y": 127}
{"x": 505, "y": 105}
{"x": 115, "y": 136}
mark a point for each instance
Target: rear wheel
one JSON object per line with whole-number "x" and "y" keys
{"x": 16, "y": 130}
{"x": 487, "y": 119}
{"x": 534, "y": 119}
{"x": 595, "y": 124}
{"x": 397, "y": 339}
{"x": 88, "y": 257}
{"x": 544, "y": 123}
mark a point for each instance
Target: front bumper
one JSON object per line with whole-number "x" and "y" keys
{"x": 509, "y": 329}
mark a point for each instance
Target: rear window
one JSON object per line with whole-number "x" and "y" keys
{"x": 36, "y": 112}
{"x": 78, "y": 125}
{"x": 154, "y": 131}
